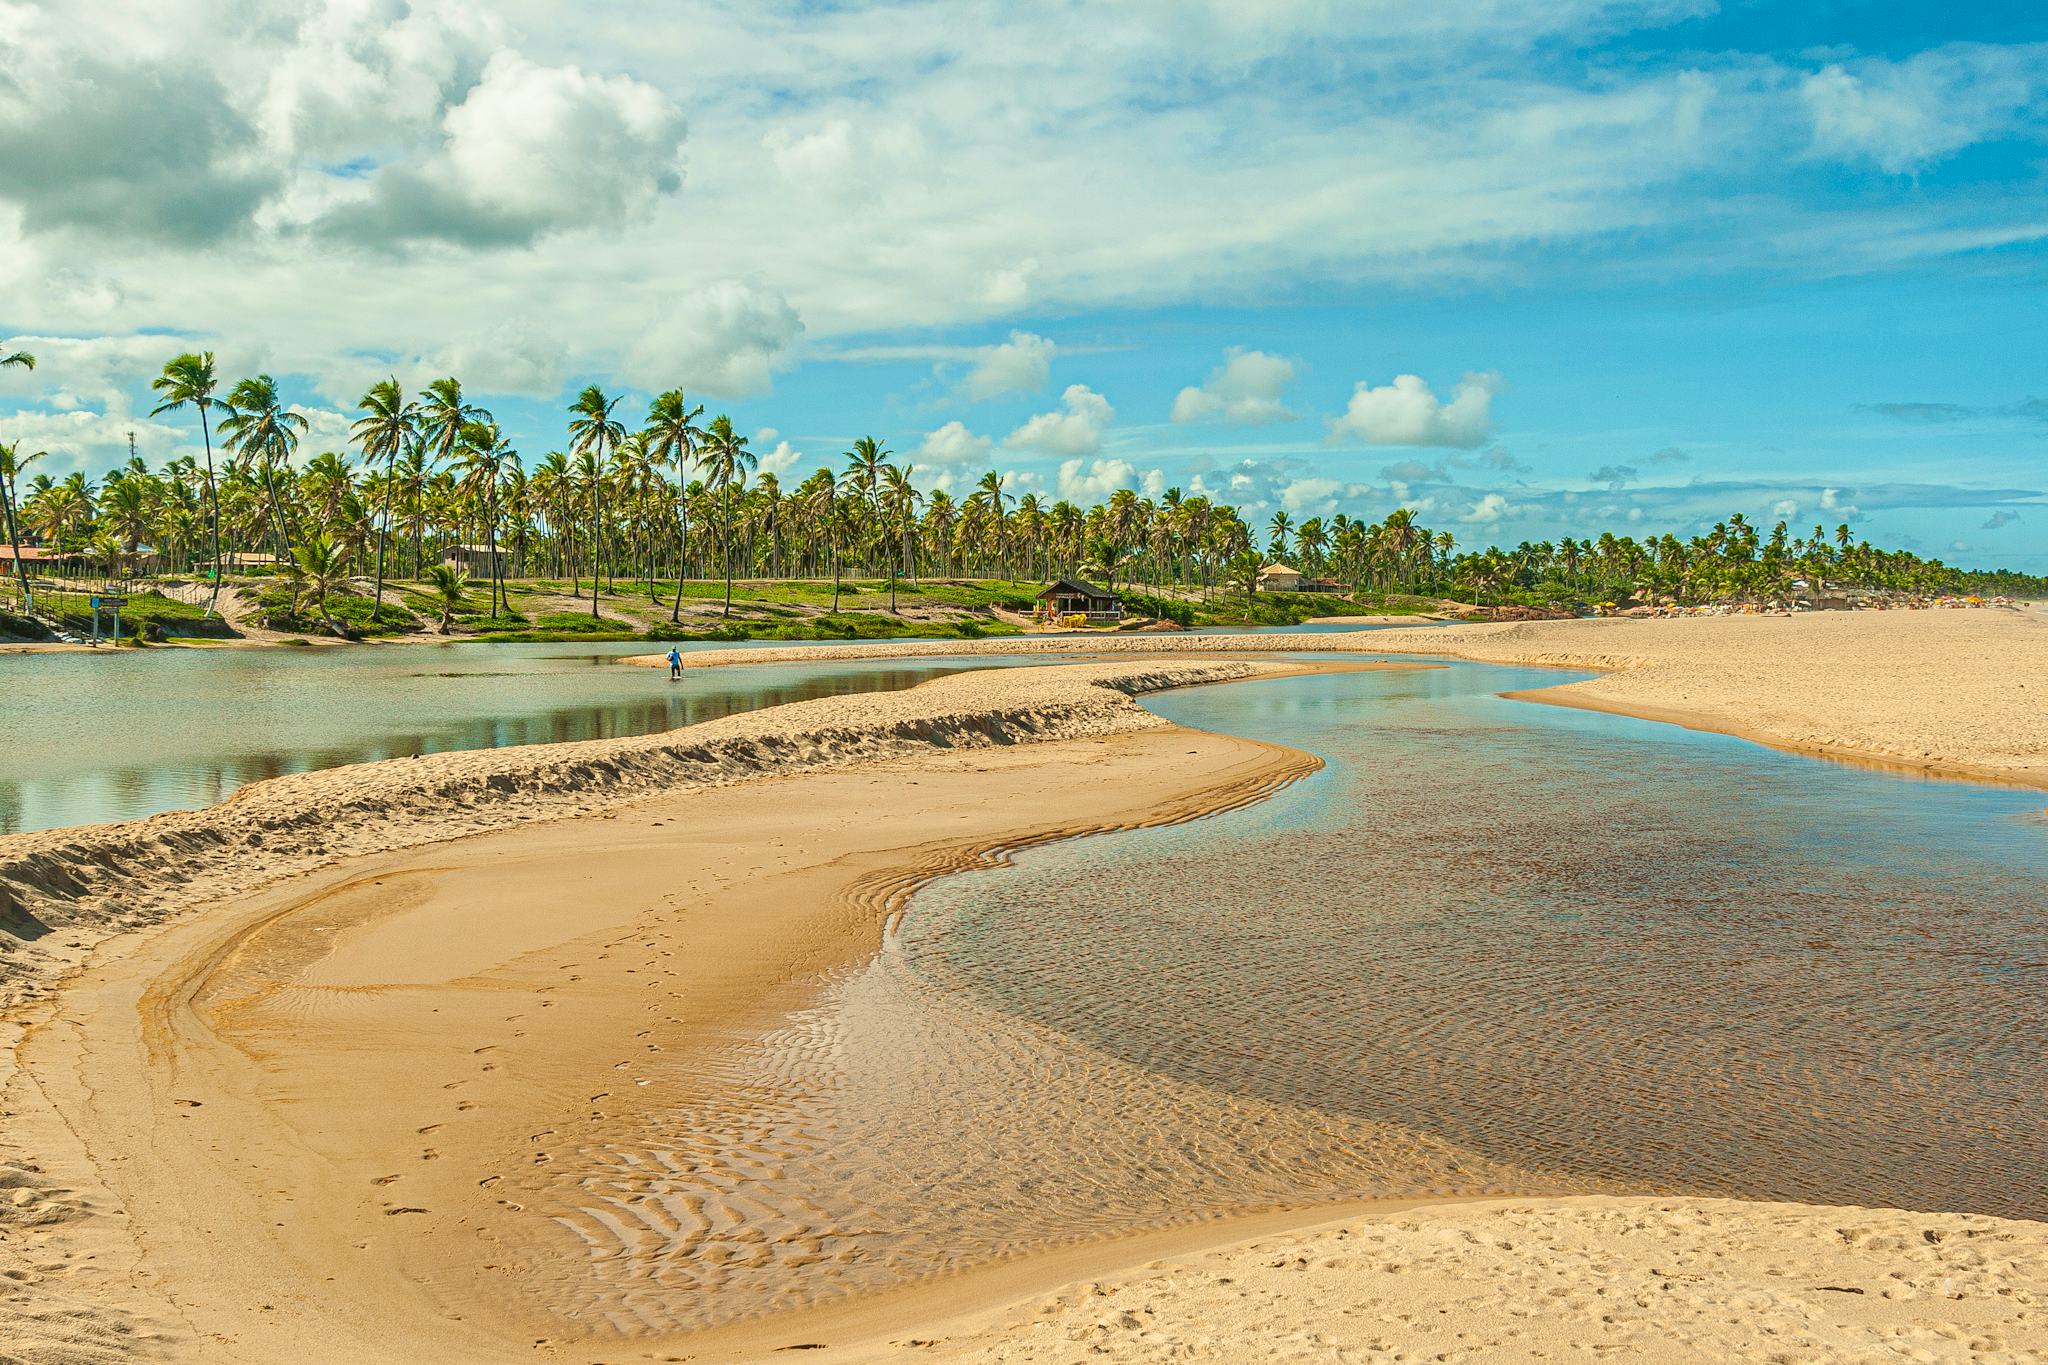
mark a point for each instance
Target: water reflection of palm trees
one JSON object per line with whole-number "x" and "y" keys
{"x": 127, "y": 791}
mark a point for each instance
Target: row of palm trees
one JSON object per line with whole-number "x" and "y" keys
{"x": 677, "y": 498}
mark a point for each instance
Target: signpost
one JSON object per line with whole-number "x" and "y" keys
{"x": 113, "y": 604}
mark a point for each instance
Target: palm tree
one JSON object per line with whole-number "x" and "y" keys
{"x": 480, "y": 462}
{"x": 673, "y": 434}
{"x": 822, "y": 505}
{"x": 389, "y": 425}
{"x": 726, "y": 456}
{"x": 448, "y": 584}
{"x": 318, "y": 567}
{"x": 263, "y": 433}
{"x": 11, "y": 465}
{"x": 592, "y": 436}
{"x": 188, "y": 381}
{"x": 990, "y": 491}
{"x": 1281, "y": 525}
{"x": 901, "y": 497}
{"x": 442, "y": 414}
{"x": 18, "y": 360}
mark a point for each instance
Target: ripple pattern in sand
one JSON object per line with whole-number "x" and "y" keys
{"x": 1489, "y": 949}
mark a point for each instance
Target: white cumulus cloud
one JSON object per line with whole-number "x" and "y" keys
{"x": 780, "y": 460}
{"x": 1245, "y": 390}
{"x": 953, "y": 444}
{"x": 1407, "y": 413}
{"x": 1074, "y": 430}
{"x": 726, "y": 340}
{"x": 1020, "y": 365}
{"x": 1488, "y": 511}
{"x": 530, "y": 150}
{"x": 1091, "y": 481}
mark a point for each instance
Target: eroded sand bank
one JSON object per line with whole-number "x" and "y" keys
{"x": 63, "y": 890}
{"x": 1946, "y": 691}
{"x": 322, "y": 1119}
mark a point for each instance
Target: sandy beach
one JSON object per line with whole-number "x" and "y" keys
{"x": 1936, "y": 692}
{"x": 572, "y": 914}
{"x": 322, "y": 1073}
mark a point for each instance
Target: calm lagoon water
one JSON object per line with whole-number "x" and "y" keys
{"x": 1575, "y": 943}
{"x": 94, "y": 737}
{"x": 1492, "y": 947}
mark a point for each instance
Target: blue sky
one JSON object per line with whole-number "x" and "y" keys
{"x": 1532, "y": 270}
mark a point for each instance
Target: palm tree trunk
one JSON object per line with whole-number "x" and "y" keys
{"x": 596, "y": 542}
{"x": 383, "y": 528}
{"x": 725, "y": 535}
{"x": 13, "y": 539}
{"x": 491, "y": 546}
{"x": 284, "y": 540}
{"x": 213, "y": 509}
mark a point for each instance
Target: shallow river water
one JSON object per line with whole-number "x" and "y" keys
{"x": 1491, "y": 947}
{"x": 86, "y": 738}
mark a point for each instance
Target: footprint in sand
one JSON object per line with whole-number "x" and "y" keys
{"x": 384, "y": 1180}
{"x": 432, "y": 1127}
{"x": 465, "y": 1106}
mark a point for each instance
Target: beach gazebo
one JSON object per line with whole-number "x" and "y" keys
{"x": 1072, "y": 597}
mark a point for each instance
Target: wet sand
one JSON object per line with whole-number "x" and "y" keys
{"x": 1938, "y": 692}
{"x": 367, "y": 1113}
{"x": 64, "y": 890}
{"x": 329, "y": 1117}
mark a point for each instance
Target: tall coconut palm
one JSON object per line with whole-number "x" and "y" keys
{"x": 11, "y": 465}
{"x": 1281, "y": 526}
{"x": 443, "y": 413}
{"x": 900, "y": 498}
{"x": 263, "y": 434}
{"x": 593, "y": 435}
{"x": 726, "y": 457}
{"x": 673, "y": 434}
{"x": 821, "y": 504}
{"x": 990, "y": 491}
{"x": 188, "y": 381}
{"x": 480, "y": 462}
{"x": 16, "y": 360}
{"x": 388, "y": 426}
{"x": 1402, "y": 537}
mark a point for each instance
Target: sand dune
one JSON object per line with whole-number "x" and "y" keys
{"x": 1953, "y": 692}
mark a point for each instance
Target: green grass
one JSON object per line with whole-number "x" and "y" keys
{"x": 351, "y": 610}
{"x": 1293, "y": 608}
{"x": 144, "y": 611}
{"x": 557, "y": 627}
